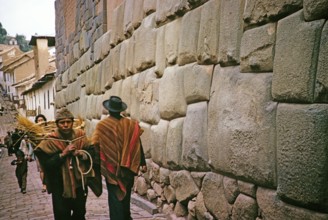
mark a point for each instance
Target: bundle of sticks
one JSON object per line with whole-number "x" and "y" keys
{"x": 39, "y": 131}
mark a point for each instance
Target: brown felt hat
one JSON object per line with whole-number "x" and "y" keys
{"x": 114, "y": 104}
{"x": 64, "y": 113}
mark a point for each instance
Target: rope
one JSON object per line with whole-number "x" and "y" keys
{"x": 81, "y": 172}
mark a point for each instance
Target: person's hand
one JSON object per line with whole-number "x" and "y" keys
{"x": 71, "y": 148}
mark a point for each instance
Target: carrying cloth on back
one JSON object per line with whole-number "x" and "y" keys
{"x": 71, "y": 177}
{"x": 120, "y": 150}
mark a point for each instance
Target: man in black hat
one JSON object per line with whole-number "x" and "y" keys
{"x": 121, "y": 155}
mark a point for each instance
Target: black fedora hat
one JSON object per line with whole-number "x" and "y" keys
{"x": 114, "y": 104}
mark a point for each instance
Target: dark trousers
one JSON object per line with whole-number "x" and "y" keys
{"x": 62, "y": 207}
{"x": 22, "y": 180}
{"x": 119, "y": 210}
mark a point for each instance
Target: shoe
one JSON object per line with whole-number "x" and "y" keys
{"x": 23, "y": 191}
{"x": 44, "y": 190}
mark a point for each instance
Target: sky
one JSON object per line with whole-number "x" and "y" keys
{"x": 28, "y": 17}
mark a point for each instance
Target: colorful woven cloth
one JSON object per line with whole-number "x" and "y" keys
{"x": 120, "y": 150}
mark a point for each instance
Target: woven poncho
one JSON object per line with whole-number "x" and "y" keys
{"x": 119, "y": 146}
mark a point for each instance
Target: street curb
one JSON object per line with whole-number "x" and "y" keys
{"x": 144, "y": 204}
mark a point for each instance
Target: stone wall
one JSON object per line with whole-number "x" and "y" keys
{"x": 232, "y": 97}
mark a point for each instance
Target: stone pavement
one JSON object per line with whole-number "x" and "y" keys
{"x": 35, "y": 205}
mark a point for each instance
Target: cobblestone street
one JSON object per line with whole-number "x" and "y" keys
{"x": 37, "y": 205}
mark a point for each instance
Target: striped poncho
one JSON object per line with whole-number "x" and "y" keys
{"x": 119, "y": 146}
{"x": 54, "y": 144}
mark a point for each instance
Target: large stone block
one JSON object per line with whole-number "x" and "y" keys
{"x": 264, "y": 11}
{"x": 159, "y": 54}
{"x": 302, "y": 154}
{"x": 315, "y": 9}
{"x": 241, "y": 125}
{"x": 245, "y": 208}
{"x": 147, "y": 88}
{"x": 172, "y": 103}
{"x": 149, "y": 6}
{"x": 145, "y": 44}
{"x": 129, "y": 58}
{"x": 257, "y": 49}
{"x": 321, "y": 87}
{"x": 158, "y": 142}
{"x": 184, "y": 185}
{"x": 296, "y": 55}
{"x": 194, "y": 144}
{"x": 146, "y": 138}
{"x": 117, "y": 35}
{"x": 168, "y": 9}
{"x": 135, "y": 103}
{"x": 126, "y": 94}
{"x": 174, "y": 143}
{"x": 231, "y": 30}
{"x": 271, "y": 207}
{"x": 209, "y": 32}
{"x": 171, "y": 42}
{"x": 213, "y": 194}
{"x": 189, "y": 37}
{"x": 197, "y": 82}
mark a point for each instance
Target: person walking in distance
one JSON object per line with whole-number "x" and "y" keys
{"x": 21, "y": 170}
{"x": 42, "y": 120}
{"x": 117, "y": 139}
{"x": 63, "y": 155}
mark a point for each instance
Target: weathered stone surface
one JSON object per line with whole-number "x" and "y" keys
{"x": 244, "y": 208}
{"x": 97, "y": 54}
{"x": 147, "y": 96}
{"x": 271, "y": 207}
{"x": 135, "y": 103}
{"x": 90, "y": 79}
{"x": 151, "y": 195}
{"x": 159, "y": 55}
{"x": 157, "y": 187}
{"x": 154, "y": 172}
{"x": 117, "y": 35}
{"x": 169, "y": 9}
{"x": 180, "y": 210}
{"x": 231, "y": 30}
{"x": 209, "y": 32}
{"x": 298, "y": 41}
{"x": 315, "y": 9}
{"x": 65, "y": 78}
{"x": 158, "y": 142}
{"x": 213, "y": 194}
{"x": 164, "y": 176}
{"x": 169, "y": 194}
{"x": 231, "y": 190}
{"x": 241, "y": 125}
{"x": 141, "y": 186}
{"x": 263, "y": 11}
{"x": 171, "y": 41}
{"x": 198, "y": 178}
{"x": 149, "y": 6}
{"x": 146, "y": 138}
{"x": 200, "y": 208}
{"x": 321, "y": 87}
{"x": 197, "y": 82}
{"x": 174, "y": 143}
{"x": 194, "y": 143}
{"x": 128, "y": 16}
{"x": 257, "y": 46}
{"x": 184, "y": 185}
{"x": 114, "y": 57}
{"x": 248, "y": 189}
{"x": 123, "y": 71}
{"x": 302, "y": 153}
{"x": 126, "y": 95}
{"x": 172, "y": 103}
{"x": 99, "y": 78}
{"x": 129, "y": 58}
{"x": 138, "y": 13}
{"x": 86, "y": 61}
{"x": 145, "y": 44}
{"x": 189, "y": 33}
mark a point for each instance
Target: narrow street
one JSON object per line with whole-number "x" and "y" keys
{"x": 35, "y": 205}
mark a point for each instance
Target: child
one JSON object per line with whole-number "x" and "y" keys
{"x": 21, "y": 170}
